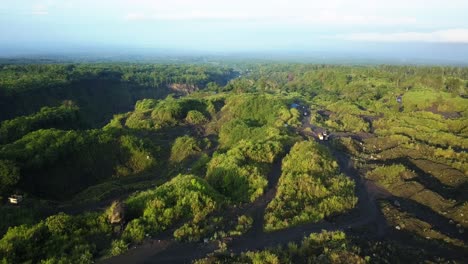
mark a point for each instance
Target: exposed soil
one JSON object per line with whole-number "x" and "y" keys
{"x": 376, "y": 191}
{"x": 447, "y": 115}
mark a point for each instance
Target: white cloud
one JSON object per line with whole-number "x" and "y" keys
{"x": 40, "y": 10}
{"x": 279, "y": 11}
{"x": 269, "y": 5}
{"x": 39, "y": 13}
{"x": 459, "y": 35}
{"x": 335, "y": 18}
{"x": 134, "y": 16}
{"x": 283, "y": 17}
{"x": 424, "y": 13}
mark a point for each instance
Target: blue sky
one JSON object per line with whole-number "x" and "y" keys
{"x": 219, "y": 25}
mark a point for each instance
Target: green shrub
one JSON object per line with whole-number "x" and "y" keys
{"x": 136, "y": 154}
{"x": 140, "y": 120}
{"x": 426, "y": 127}
{"x": 184, "y": 148}
{"x": 195, "y": 117}
{"x": 57, "y": 163}
{"x": 184, "y": 197}
{"x": 15, "y": 216}
{"x": 244, "y": 223}
{"x": 309, "y": 188}
{"x": 156, "y": 114}
{"x": 424, "y": 99}
{"x": 229, "y": 174}
{"x": 189, "y": 232}
{"x": 134, "y": 231}
{"x": 200, "y": 166}
{"x": 347, "y": 122}
{"x": 118, "y": 247}
{"x": 261, "y": 108}
{"x": 58, "y": 238}
{"x": 266, "y": 151}
{"x": 63, "y": 117}
{"x": 167, "y": 113}
{"x": 118, "y": 121}
{"x": 146, "y": 104}
{"x": 389, "y": 175}
{"x": 9, "y": 175}
{"x": 289, "y": 116}
{"x": 234, "y": 131}
{"x": 324, "y": 247}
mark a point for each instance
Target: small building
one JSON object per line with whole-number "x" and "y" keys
{"x": 15, "y": 199}
{"x": 294, "y": 105}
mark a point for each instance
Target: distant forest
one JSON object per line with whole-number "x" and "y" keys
{"x": 100, "y": 90}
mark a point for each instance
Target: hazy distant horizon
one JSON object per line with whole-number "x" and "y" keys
{"x": 429, "y": 54}
{"x": 398, "y": 30}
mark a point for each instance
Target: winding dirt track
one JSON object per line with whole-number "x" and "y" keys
{"x": 167, "y": 250}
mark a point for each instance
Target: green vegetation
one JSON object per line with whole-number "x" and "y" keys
{"x": 63, "y": 117}
{"x": 152, "y": 114}
{"x": 262, "y": 109}
{"x": 428, "y": 128}
{"x": 15, "y": 216}
{"x": 325, "y": 247}
{"x": 254, "y": 118}
{"x": 240, "y": 183}
{"x": 244, "y": 223}
{"x": 183, "y": 148}
{"x": 442, "y": 101}
{"x": 100, "y": 90}
{"x": 309, "y": 189}
{"x": 329, "y": 247}
{"x": 197, "y": 152}
{"x": 236, "y": 175}
{"x": 251, "y": 142}
{"x": 185, "y": 197}
{"x": 59, "y": 238}
{"x": 418, "y": 228}
{"x": 195, "y": 117}
{"x": 390, "y": 175}
{"x": 56, "y": 163}
{"x": 347, "y": 122}
{"x": 9, "y": 175}
{"x": 401, "y": 182}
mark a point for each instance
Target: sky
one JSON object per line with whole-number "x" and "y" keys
{"x": 231, "y": 26}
